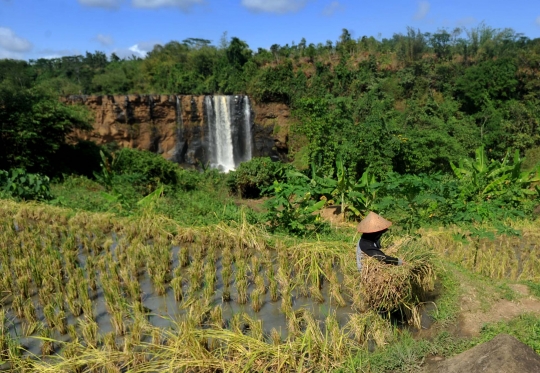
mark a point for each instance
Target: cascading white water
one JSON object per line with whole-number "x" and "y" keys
{"x": 224, "y": 144}
{"x": 247, "y": 129}
{"x": 229, "y": 131}
{"x": 178, "y": 112}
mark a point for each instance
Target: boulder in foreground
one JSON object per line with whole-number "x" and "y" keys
{"x": 503, "y": 354}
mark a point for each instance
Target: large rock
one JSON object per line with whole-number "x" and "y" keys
{"x": 503, "y": 354}
{"x": 175, "y": 126}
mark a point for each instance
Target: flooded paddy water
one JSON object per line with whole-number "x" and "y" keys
{"x": 200, "y": 285}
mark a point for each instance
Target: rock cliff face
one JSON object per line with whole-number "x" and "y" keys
{"x": 176, "y": 126}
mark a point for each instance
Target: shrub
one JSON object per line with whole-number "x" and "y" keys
{"x": 292, "y": 206}
{"x": 21, "y": 185}
{"x": 146, "y": 170}
{"x": 253, "y": 176}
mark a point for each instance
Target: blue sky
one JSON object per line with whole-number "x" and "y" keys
{"x": 32, "y": 29}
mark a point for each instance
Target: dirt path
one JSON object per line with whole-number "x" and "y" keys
{"x": 481, "y": 303}
{"x": 474, "y": 314}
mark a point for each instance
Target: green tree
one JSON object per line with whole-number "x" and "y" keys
{"x": 33, "y": 126}
{"x": 487, "y": 81}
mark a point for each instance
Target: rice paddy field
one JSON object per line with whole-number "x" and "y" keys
{"x": 514, "y": 255}
{"x": 93, "y": 292}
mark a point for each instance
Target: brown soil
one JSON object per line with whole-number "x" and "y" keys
{"x": 333, "y": 215}
{"x": 471, "y": 321}
{"x": 256, "y": 205}
{"x": 503, "y": 354}
{"x": 474, "y": 315}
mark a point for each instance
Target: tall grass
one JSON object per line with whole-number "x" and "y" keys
{"x": 511, "y": 254}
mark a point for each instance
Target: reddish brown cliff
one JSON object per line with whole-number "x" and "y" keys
{"x": 176, "y": 126}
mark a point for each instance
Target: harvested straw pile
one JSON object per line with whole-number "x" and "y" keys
{"x": 388, "y": 287}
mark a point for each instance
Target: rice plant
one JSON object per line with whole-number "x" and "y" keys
{"x": 275, "y": 337}
{"x": 241, "y": 287}
{"x": 184, "y": 257}
{"x": 117, "y": 321}
{"x": 89, "y": 331}
{"x": 49, "y": 314}
{"x": 226, "y": 295}
{"x": 109, "y": 342}
{"x": 30, "y": 327}
{"x": 256, "y": 300}
{"x": 216, "y": 317}
{"x": 29, "y": 311}
{"x": 18, "y": 305}
{"x": 176, "y": 285}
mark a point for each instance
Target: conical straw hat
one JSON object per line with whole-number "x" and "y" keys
{"x": 373, "y": 223}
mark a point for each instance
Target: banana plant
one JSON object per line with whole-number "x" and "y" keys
{"x": 363, "y": 193}
{"x": 343, "y": 184}
{"x": 355, "y": 196}
{"x": 148, "y": 203}
{"x": 484, "y": 179}
{"x": 107, "y": 169}
{"x": 292, "y": 206}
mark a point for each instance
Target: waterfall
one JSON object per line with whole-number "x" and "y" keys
{"x": 247, "y": 129}
{"x": 151, "y": 106}
{"x": 128, "y": 109}
{"x": 229, "y": 131}
{"x": 178, "y": 109}
{"x": 224, "y": 145}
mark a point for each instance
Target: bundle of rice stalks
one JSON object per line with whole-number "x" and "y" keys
{"x": 369, "y": 326}
{"x": 386, "y": 287}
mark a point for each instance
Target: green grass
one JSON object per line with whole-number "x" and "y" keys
{"x": 526, "y": 328}
{"x": 534, "y": 288}
{"x": 448, "y": 292}
{"x": 209, "y": 204}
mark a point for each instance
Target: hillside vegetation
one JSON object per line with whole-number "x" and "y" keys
{"x": 411, "y": 103}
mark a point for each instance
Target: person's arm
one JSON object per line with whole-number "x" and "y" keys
{"x": 379, "y": 255}
{"x": 387, "y": 259}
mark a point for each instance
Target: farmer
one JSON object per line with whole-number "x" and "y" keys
{"x": 372, "y": 228}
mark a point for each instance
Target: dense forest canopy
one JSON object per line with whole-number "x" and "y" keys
{"x": 412, "y": 103}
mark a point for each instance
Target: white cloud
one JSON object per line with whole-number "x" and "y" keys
{"x": 538, "y": 20}
{"x": 274, "y": 6}
{"x": 13, "y": 43}
{"x": 147, "y": 46}
{"x": 10, "y": 55}
{"x": 138, "y": 50}
{"x": 185, "y": 5}
{"x": 422, "y": 11}
{"x": 332, "y": 8}
{"x": 110, "y": 4}
{"x": 105, "y": 40}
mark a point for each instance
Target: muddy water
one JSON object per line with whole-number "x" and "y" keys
{"x": 164, "y": 311}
